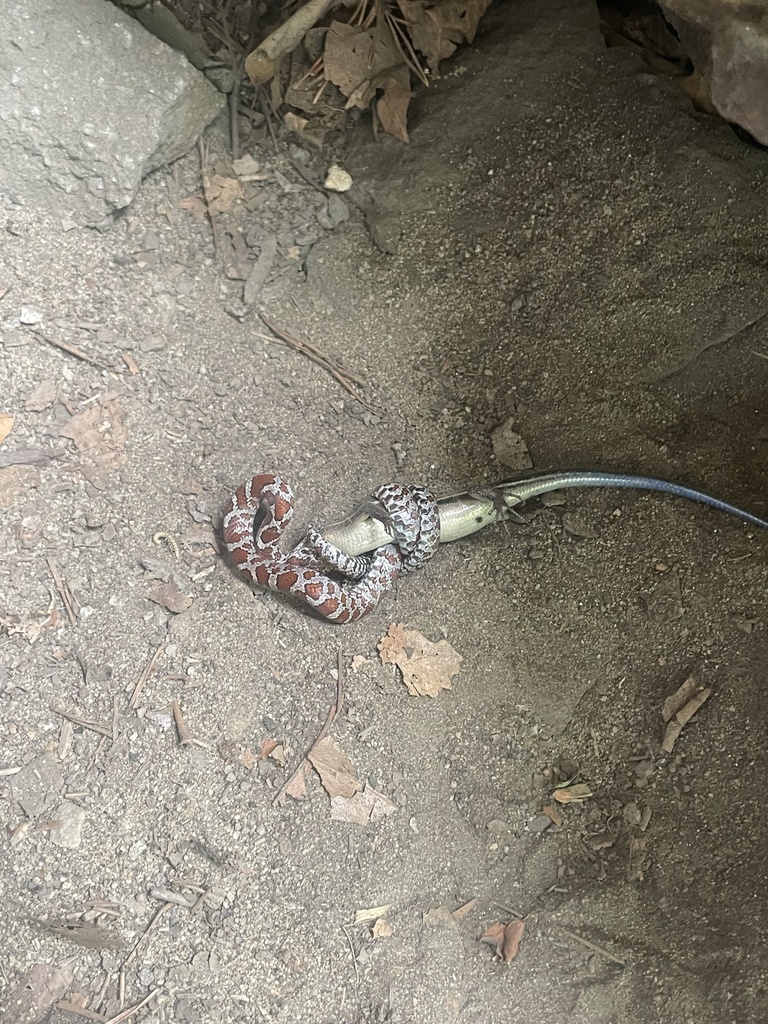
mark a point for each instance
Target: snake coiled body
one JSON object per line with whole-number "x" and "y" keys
{"x": 337, "y": 585}
{"x": 343, "y": 572}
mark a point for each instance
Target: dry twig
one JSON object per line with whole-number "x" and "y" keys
{"x": 144, "y": 937}
{"x": 333, "y": 710}
{"x": 73, "y": 350}
{"x": 64, "y": 592}
{"x": 79, "y": 1011}
{"x": 185, "y": 736}
{"x": 347, "y": 378}
{"x": 130, "y": 1010}
{"x": 141, "y": 681}
{"x": 594, "y": 947}
{"x": 85, "y": 723}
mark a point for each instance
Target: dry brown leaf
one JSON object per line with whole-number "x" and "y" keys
{"x": 169, "y": 596}
{"x": 362, "y": 808}
{"x": 392, "y": 106}
{"x": 266, "y": 748}
{"x": 297, "y": 788}
{"x": 43, "y": 396}
{"x": 245, "y": 165}
{"x": 382, "y": 929}
{"x": 679, "y": 698}
{"x": 438, "y": 27}
{"x": 505, "y": 937}
{"x": 335, "y": 769}
{"x": 572, "y": 794}
{"x": 427, "y": 667}
{"x": 6, "y": 425}
{"x": 99, "y": 435}
{"x": 354, "y": 58}
{"x": 29, "y": 628}
{"x": 553, "y": 814}
{"x": 278, "y": 754}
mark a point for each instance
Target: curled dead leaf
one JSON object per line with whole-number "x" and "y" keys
{"x": 573, "y": 794}
{"x": 505, "y": 938}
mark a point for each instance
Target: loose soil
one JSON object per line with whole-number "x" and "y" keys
{"x": 564, "y": 243}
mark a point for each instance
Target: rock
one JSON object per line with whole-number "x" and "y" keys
{"x": 38, "y": 784}
{"x": 90, "y": 103}
{"x": 727, "y": 43}
{"x": 71, "y": 819}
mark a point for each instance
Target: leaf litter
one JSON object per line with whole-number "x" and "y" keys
{"x": 426, "y": 667}
{"x": 505, "y": 938}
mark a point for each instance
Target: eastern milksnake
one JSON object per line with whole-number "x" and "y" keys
{"x": 342, "y": 573}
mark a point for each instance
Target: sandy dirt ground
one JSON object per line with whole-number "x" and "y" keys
{"x": 564, "y": 244}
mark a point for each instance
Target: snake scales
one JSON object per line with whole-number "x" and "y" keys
{"x": 342, "y": 573}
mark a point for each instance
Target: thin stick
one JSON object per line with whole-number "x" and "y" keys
{"x": 266, "y": 106}
{"x": 185, "y": 736}
{"x": 339, "y": 372}
{"x": 64, "y": 592}
{"x": 80, "y": 1011}
{"x": 207, "y": 195}
{"x": 144, "y": 937}
{"x": 320, "y": 736}
{"x": 141, "y": 681}
{"x": 130, "y": 1010}
{"x": 86, "y": 723}
{"x": 594, "y": 947}
{"x": 339, "y": 682}
{"x": 352, "y": 951}
{"x": 407, "y": 52}
{"x": 73, "y": 350}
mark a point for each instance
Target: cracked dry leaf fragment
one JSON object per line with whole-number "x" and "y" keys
{"x": 6, "y": 425}
{"x": 335, "y": 770}
{"x": 362, "y": 808}
{"x": 438, "y": 27}
{"x": 297, "y": 788}
{"x": 505, "y": 938}
{"x": 99, "y": 434}
{"x": 426, "y": 667}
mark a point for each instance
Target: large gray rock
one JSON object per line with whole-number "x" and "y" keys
{"x": 90, "y": 103}
{"x": 727, "y": 40}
